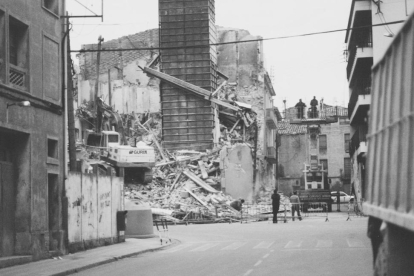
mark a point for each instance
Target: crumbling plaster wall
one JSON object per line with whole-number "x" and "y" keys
{"x": 242, "y": 62}
{"x": 237, "y": 171}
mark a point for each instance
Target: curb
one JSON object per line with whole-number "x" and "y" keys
{"x": 114, "y": 259}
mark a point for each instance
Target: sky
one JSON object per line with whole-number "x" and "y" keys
{"x": 300, "y": 67}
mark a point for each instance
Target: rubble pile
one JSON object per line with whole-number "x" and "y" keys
{"x": 188, "y": 188}
{"x": 186, "y": 184}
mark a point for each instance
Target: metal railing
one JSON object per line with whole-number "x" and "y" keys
{"x": 362, "y": 86}
{"x": 17, "y": 76}
{"x": 355, "y": 209}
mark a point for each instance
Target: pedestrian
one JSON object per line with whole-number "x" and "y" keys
{"x": 338, "y": 201}
{"x": 237, "y": 204}
{"x": 294, "y": 199}
{"x": 275, "y": 205}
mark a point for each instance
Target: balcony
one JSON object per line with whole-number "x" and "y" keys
{"x": 359, "y": 57}
{"x": 271, "y": 155}
{"x": 360, "y": 100}
{"x": 359, "y": 49}
{"x": 358, "y": 143}
{"x": 270, "y": 118}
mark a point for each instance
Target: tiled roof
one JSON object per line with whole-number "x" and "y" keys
{"x": 285, "y": 128}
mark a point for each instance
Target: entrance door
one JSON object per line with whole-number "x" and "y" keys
{"x": 7, "y": 207}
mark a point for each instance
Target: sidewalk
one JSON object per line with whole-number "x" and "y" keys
{"x": 79, "y": 261}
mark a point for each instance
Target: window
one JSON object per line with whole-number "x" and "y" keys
{"x": 347, "y": 137}
{"x": 347, "y": 168}
{"x": 18, "y": 52}
{"x": 324, "y": 163}
{"x": 52, "y": 148}
{"x": 52, "y": 5}
{"x": 322, "y": 143}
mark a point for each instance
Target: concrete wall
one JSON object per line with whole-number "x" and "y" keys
{"x": 93, "y": 201}
{"x": 292, "y": 155}
{"x": 237, "y": 171}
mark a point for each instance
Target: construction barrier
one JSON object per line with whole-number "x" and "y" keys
{"x": 355, "y": 209}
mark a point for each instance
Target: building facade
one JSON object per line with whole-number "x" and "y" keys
{"x": 270, "y": 141}
{"x": 331, "y": 148}
{"x": 31, "y": 128}
{"x": 365, "y": 46}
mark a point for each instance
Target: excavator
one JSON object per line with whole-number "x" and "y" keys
{"x": 134, "y": 162}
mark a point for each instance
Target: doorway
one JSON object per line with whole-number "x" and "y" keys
{"x": 7, "y": 208}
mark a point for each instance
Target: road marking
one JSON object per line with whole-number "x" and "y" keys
{"x": 248, "y": 272}
{"x": 258, "y": 263}
{"x": 355, "y": 243}
{"x": 234, "y": 246}
{"x": 293, "y": 244}
{"x": 263, "y": 244}
{"x": 204, "y": 247}
{"x": 324, "y": 243}
{"x": 177, "y": 248}
{"x": 265, "y": 256}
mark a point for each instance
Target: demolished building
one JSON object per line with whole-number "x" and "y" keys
{"x": 193, "y": 108}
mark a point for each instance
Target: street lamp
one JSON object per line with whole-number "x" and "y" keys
{"x": 22, "y": 103}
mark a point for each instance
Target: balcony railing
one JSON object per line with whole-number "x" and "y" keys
{"x": 17, "y": 76}
{"x": 271, "y": 120}
{"x": 363, "y": 39}
{"x": 361, "y": 87}
{"x": 359, "y": 136}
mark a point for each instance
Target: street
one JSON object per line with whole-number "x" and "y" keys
{"x": 308, "y": 247}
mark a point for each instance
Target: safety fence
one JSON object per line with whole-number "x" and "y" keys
{"x": 287, "y": 211}
{"x": 250, "y": 213}
{"x": 355, "y": 209}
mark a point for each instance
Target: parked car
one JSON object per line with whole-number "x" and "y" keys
{"x": 344, "y": 198}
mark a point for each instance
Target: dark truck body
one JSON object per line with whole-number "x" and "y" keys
{"x": 315, "y": 196}
{"x": 390, "y": 155}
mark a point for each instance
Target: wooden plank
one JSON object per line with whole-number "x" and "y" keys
{"x": 202, "y": 169}
{"x": 187, "y": 87}
{"x": 175, "y": 181}
{"x": 200, "y": 182}
{"x": 197, "y": 198}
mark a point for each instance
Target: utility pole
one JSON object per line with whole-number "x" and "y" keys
{"x": 98, "y": 111}
{"x": 70, "y": 111}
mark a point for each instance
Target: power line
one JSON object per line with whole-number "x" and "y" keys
{"x": 85, "y": 7}
{"x": 235, "y": 42}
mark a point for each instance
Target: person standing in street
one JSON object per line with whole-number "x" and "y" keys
{"x": 294, "y": 200}
{"x": 275, "y": 205}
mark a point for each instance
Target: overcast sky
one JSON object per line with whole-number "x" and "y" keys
{"x": 301, "y": 67}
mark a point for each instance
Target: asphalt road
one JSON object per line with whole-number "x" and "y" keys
{"x": 308, "y": 247}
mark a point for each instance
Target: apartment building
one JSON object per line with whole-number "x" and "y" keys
{"x": 31, "y": 128}
{"x": 365, "y": 46}
{"x": 331, "y": 147}
{"x": 270, "y": 143}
